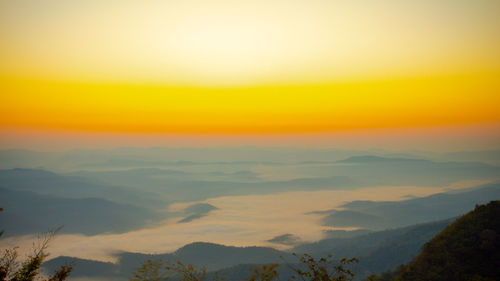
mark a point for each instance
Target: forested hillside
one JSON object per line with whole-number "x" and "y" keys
{"x": 468, "y": 249}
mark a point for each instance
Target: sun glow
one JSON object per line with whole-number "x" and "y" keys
{"x": 247, "y": 67}
{"x": 220, "y": 49}
{"x": 228, "y": 43}
{"x": 435, "y": 101}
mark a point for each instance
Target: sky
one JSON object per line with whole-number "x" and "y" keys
{"x": 248, "y": 70}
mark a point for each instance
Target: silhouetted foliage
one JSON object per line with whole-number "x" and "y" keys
{"x": 11, "y": 269}
{"x": 157, "y": 270}
{"x": 309, "y": 268}
{"x": 265, "y": 272}
{"x": 324, "y": 269}
{"x": 150, "y": 271}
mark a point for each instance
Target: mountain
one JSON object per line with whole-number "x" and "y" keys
{"x": 159, "y": 176}
{"x": 468, "y": 249}
{"x": 27, "y": 212}
{"x": 133, "y": 157}
{"x": 353, "y": 172}
{"x": 49, "y": 183}
{"x": 212, "y": 256}
{"x": 376, "y": 170}
{"x": 285, "y": 239}
{"x": 378, "y": 251}
{"x": 485, "y": 156}
{"x": 87, "y": 268}
{"x": 196, "y": 211}
{"x": 153, "y": 187}
{"x": 389, "y": 214}
{"x": 200, "y": 186}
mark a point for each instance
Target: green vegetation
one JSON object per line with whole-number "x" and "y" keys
{"x": 308, "y": 268}
{"x": 468, "y": 249}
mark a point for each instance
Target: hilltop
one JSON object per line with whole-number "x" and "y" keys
{"x": 468, "y": 249}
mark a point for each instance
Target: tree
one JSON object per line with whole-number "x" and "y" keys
{"x": 157, "y": 271}
{"x": 308, "y": 269}
{"x": 265, "y": 272}
{"x": 324, "y": 269}
{"x": 150, "y": 271}
{"x": 11, "y": 269}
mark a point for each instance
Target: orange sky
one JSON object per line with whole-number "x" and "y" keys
{"x": 433, "y": 101}
{"x": 437, "y": 138}
{"x": 255, "y": 68}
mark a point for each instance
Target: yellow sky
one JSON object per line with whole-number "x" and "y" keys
{"x": 455, "y": 100}
{"x": 248, "y": 67}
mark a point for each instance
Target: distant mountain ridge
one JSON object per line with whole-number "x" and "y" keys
{"x": 155, "y": 156}
{"x": 212, "y": 256}
{"x": 50, "y": 183}
{"x": 380, "y": 215}
{"x": 378, "y": 159}
{"x": 27, "y": 212}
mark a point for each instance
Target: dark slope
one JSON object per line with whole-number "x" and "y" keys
{"x": 86, "y": 268}
{"x": 49, "y": 183}
{"x": 381, "y": 215}
{"x": 378, "y": 251}
{"x": 27, "y": 212}
{"x": 212, "y": 256}
{"x": 468, "y": 249}
{"x": 196, "y": 211}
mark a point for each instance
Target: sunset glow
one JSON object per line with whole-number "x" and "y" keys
{"x": 254, "y": 68}
{"x": 458, "y": 100}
